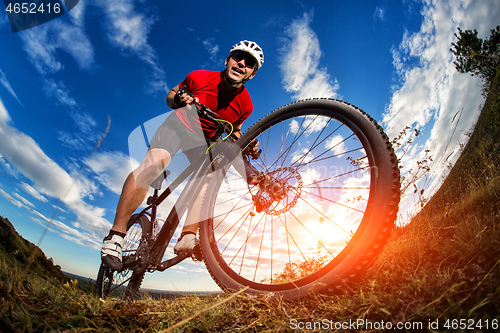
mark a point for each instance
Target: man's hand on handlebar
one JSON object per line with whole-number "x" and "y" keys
{"x": 253, "y": 149}
{"x": 184, "y": 97}
{"x": 180, "y": 97}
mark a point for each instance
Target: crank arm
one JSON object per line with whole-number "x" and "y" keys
{"x": 172, "y": 262}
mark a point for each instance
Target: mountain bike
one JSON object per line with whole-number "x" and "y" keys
{"x": 311, "y": 212}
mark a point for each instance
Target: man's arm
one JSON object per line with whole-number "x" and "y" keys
{"x": 237, "y": 130}
{"x": 170, "y": 98}
{"x": 237, "y": 133}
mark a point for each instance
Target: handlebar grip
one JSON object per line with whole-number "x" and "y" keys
{"x": 177, "y": 97}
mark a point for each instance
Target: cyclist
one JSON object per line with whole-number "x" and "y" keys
{"x": 224, "y": 93}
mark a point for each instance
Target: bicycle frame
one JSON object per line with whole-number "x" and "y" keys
{"x": 198, "y": 170}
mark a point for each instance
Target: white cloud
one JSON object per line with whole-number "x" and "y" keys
{"x": 301, "y": 55}
{"x": 48, "y": 178}
{"x": 4, "y": 115}
{"x": 294, "y": 126}
{"x": 111, "y": 168}
{"x": 6, "y": 84}
{"x": 34, "y": 193}
{"x": 44, "y": 42}
{"x": 60, "y": 92}
{"x": 336, "y": 144}
{"x": 69, "y": 233}
{"x": 8, "y": 168}
{"x": 212, "y": 48}
{"x": 308, "y": 125}
{"x": 430, "y": 90}
{"x": 86, "y": 133}
{"x": 379, "y": 14}
{"x": 24, "y": 200}
{"x": 11, "y": 199}
{"x": 23, "y": 152}
{"x": 303, "y": 155}
{"x": 128, "y": 30}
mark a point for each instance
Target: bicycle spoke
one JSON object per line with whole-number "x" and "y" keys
{"x": 246, "y": 240}
{"x": 337, "y": 176}
{"x": 255, "y": 246}
{"x": 296, "y": 245}
{"x": 118, "y": 285}
{"x": 260, "y": 248}
{"x": 231, "y": 225}
{"x": 314, "y": 145}
{"x": 309, "y": 231}
{"x": 338, "y": 187}
{"x": 336, "y": 202}
{"x": 287, "y": 151}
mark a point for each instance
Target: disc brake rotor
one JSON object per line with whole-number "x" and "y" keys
{"x": 278, "y": 191}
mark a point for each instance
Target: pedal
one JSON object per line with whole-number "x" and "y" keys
{"x": 196, "y": 255}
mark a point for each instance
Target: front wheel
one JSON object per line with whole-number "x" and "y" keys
{"x": 320, "y": 210}
{"x": 113, "y": 283}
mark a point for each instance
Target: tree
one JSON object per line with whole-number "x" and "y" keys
{"x": 296, "y": 271}
{"x": 476, "y": 56}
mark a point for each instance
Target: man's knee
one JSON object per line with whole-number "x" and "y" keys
{"x": 153, "y": 164}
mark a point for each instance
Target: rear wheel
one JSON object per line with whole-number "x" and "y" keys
{"x": 112, "y": 283}
{"x": 324, "y": 204}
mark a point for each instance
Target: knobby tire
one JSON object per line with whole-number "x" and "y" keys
{"x": 342, "y": 187}
{"x": 112, "y": 283}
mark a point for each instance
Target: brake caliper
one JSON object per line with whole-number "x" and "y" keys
{"x": 276, "y": 194}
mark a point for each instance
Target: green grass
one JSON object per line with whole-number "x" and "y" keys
{"x": 444, "y": 265}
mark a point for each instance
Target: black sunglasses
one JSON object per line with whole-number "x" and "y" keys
{"x": 250, "y": 61}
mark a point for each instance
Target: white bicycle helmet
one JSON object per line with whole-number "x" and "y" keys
{"x": 252, "y": 48}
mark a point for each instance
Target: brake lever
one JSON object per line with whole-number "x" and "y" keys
{"x": 250, "y": 152}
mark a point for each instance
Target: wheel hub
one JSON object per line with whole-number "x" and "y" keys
{"x": 278, "y": 191}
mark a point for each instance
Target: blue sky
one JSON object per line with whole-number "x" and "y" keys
{"x": 60, "y": 83}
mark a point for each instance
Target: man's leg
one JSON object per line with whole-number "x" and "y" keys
{"x": 188, "y": 239}
{"x": 133, "y": 193}
{"x": 131, "y": 197}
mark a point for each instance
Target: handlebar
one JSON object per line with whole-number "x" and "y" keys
{"x": 222, "y": 127}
